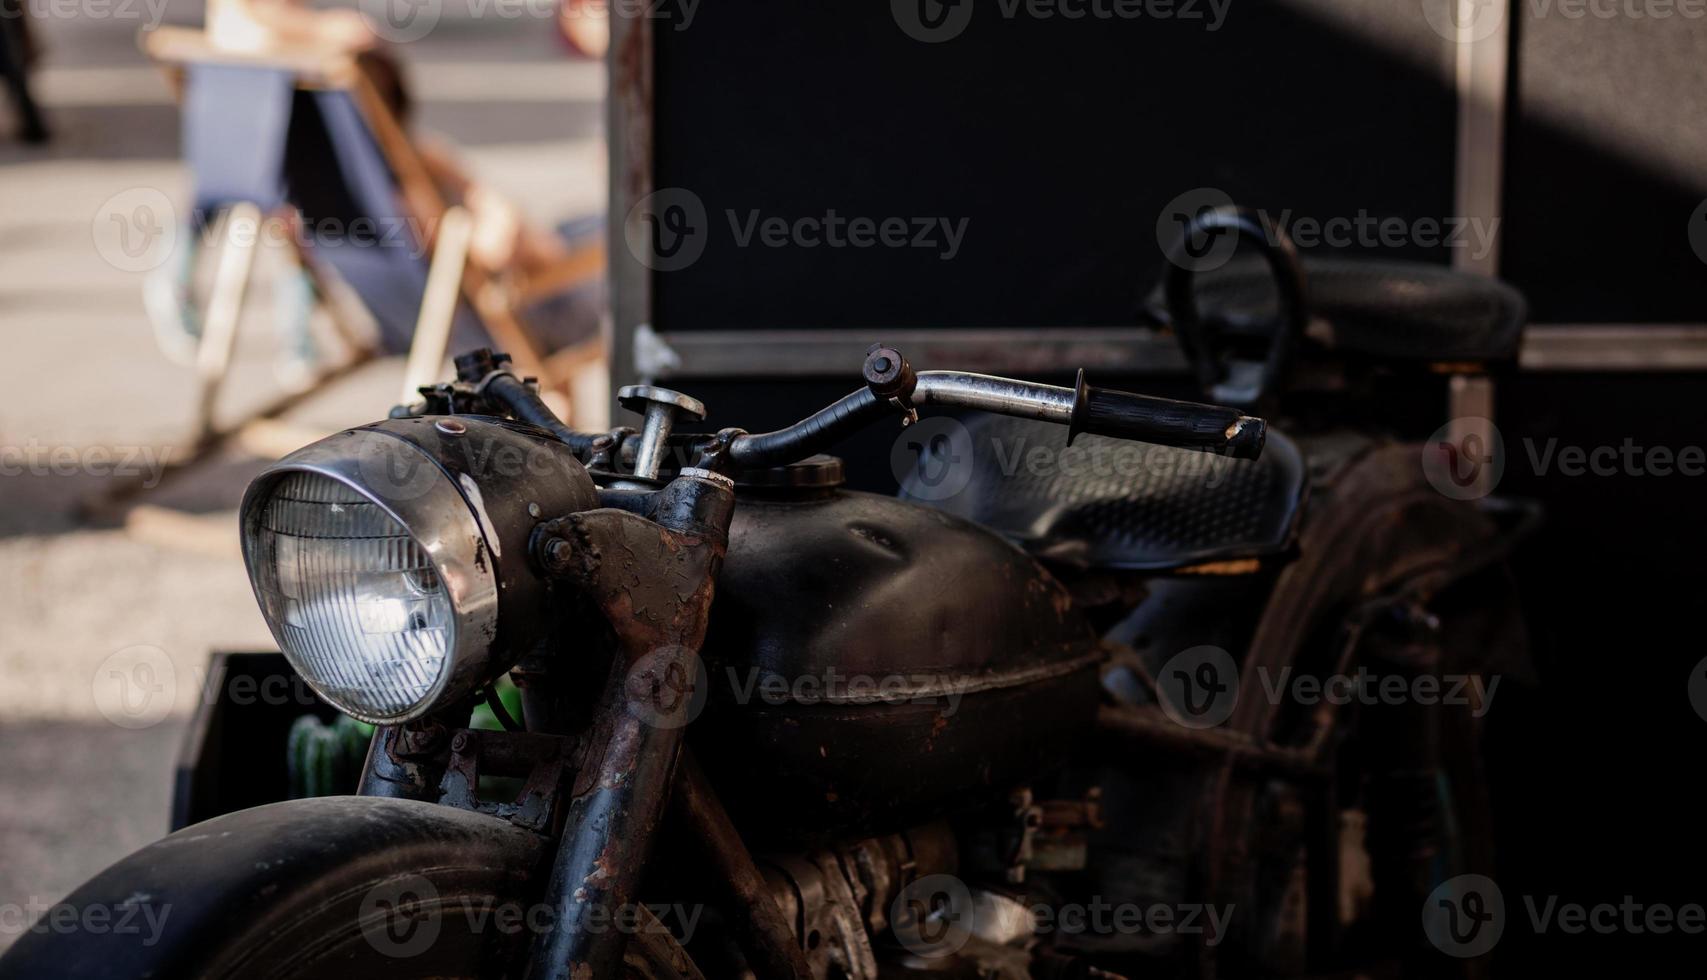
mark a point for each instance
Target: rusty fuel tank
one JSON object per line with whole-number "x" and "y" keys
{"x": 873, "y": 662}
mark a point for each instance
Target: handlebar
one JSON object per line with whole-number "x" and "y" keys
{"x": 892, "y": 386}
{"x": 1082, "y": 408}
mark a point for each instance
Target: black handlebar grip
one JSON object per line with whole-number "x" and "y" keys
{"x": 1165, "y": 422}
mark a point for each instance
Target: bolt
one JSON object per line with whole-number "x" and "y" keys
{"x": 459, "y": 744}
{"x": 557, "y": 554}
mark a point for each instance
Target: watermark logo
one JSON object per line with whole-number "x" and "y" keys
{"x": 667, "y": 229}
{"x": 395, "y": 471}
{"x": 932, "y": 458}
{"x": 932, "y": 21}
{"x": 1698, "y": 688}
{"x": 1199, "y": 687}
{"x": 1465, "y": 21}
{"x": 1464, "y": 916}
{"x": 932, "y": 916}
{"x": 135, "y": 687}
{"x": 136, "y": 230}
{"x": 935, "y": 21}
{"x": 831, "y": 686}
{"x": 667, "y": 688}
{"x": 34, "y": 458}
{"x": 400, "y": 918}
{"x": 1364, "y": 687}
{"x": 1465, "y": 458}
{"x": 1698, "y": 231}
{"x": 402, "y": 21}
{"x": 1202, "y": 249}
{"x": 148, "y": 13}
{"x": 139, "y": 916}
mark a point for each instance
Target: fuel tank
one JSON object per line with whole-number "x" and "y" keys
{"x": 872, "y": 663}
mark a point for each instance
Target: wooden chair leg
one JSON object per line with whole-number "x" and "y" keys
{"x": 431, "y": 342}
{"x": 239, "y": 230}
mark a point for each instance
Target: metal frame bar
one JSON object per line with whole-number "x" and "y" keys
{"x": 629, "y": 106}
{"x": 1124, "y": 350}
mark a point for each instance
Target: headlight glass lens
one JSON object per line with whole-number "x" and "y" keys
{"x": 355, "y": 602}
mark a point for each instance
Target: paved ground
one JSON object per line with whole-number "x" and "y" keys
{"x": 86, "y": 389}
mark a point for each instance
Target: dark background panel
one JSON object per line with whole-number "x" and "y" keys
{"x": 1595, "y": 795}
{"x": 1059, "y": 141}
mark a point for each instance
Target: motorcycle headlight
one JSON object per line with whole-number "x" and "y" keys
{"x": 391, "y": 563}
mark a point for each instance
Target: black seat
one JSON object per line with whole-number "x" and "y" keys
{"x": 1108, "y": 503}
{"x": 1380, "y": 309}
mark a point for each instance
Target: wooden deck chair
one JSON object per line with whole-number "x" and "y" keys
{"x": 347, "y": 157}
{"x": 302, "y": 132}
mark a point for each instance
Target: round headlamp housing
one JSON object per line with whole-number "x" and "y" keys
{"x": 391, "y": 561}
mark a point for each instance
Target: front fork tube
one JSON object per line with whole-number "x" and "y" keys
{"x": 653, "y": 580}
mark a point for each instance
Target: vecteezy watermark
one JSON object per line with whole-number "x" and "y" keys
{"x": 1470, "y": 21}
{"x": 1698, "y": 228}
{"x": 935, "y": 21}
{"x": 1467, "y": 458}
{"x": 1192, "y": 247}
{"x": 138, "y": 230}
{"x": 1466, "y": 916}
{"x": 1369, "y": 688}
{"x": 1698, "y": 689}
{"x": 1201, "y": 686}
{"x": 397, "y": 473}
{"x": 669, "y": 229}
{"x": 933, "y": 458}
{"x": 937, "y": 458}
{"x": 139, "y": 916}
{"x": 932, "y": 916}
{"x": 1100, "y": 917}
{"x": 137, "y": 687}
{"x": 830, "y": 685}
{"x": 404, "y": 917}
{"x": 1184, "y": 242}
{"x": 147, "y": 13}
{"x": 936, "y": 915}
{"x": 32, "y": 458}
{"x": 670, "y": 687}
{"x": 667, "y": 687}
{"x": 402, "y": 21}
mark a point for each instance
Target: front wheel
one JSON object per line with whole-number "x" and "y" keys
{"x": 333, "y": 887}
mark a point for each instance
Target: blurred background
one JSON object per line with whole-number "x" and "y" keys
{"x": 93, "y": 404}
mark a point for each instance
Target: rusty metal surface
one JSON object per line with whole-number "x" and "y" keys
{"x": 653, "y": 584}
{"x": 540, "y": 760}
{"x": 406, "y": 762}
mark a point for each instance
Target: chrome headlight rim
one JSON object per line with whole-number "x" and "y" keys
{"x": 434, "y": 512}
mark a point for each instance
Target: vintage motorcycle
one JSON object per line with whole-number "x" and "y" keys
{"x": 1029, "y": 719}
